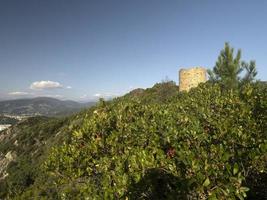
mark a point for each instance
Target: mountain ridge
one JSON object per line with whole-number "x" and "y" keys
{"x": 45, "y": 106}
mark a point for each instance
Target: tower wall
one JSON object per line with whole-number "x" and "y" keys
{"x": 189, "y": 78}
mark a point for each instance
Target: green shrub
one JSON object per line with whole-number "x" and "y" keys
{"x": 197, "y": 145}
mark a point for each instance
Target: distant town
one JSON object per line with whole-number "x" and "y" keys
{"x": 4, "y": 125}
{"x": 18, "y": 117}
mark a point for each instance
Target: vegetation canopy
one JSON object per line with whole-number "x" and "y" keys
{"x": 198, "y": 145}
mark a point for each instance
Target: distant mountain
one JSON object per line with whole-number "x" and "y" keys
{"x": 41, "y": 106}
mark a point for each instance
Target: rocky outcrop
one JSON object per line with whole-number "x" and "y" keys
{"x": 5, "y": 159}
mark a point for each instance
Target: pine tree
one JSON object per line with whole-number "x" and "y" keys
{"x": 228, "y": 68}
{"x": 251, "y": 71}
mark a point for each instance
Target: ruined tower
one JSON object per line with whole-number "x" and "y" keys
{"x": 191, "y": 77}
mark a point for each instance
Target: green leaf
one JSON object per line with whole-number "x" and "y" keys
{"x": 213, "y": 197}
{"x": 244, "y": 189}
{"x": 235, "y": 169}
{"x": 206, "y": 182}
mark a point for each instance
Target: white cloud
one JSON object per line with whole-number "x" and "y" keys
{"x": 53, "y": 96}
{"x": 97, "y": 95}
{"x": 84, "y": 96}
{"x": 18, "y": 93}
{"x": 68, "y": 87}
{"x": 105, "y": 95}
{"x": 40, "y": 85}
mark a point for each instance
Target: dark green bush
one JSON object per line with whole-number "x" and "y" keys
{"x": 198, "y": 145}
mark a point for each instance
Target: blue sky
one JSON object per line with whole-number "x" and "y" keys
{"x": 84, "y": 49}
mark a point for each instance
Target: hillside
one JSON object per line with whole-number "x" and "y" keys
{"x": 156, "y": 143}
{"x": 44, "y": 106}
{"x": 24, "y": 146}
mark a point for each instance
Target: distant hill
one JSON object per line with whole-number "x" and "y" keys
{"x": 159, "y": 93}
{"x": 44, "y": 106}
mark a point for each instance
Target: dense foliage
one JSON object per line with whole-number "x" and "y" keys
{"x": 205, "y": 144}
{"x": 159, "y": 93}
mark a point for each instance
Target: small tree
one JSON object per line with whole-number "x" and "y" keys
{"x": 228, "y": 68}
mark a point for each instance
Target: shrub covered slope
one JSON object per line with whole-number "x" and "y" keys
{"x": 24, "y": 146}
{"x": 206, "y": 144}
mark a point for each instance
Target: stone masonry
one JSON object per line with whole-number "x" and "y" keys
{"x": 189, "y": 78}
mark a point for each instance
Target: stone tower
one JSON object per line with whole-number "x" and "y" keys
{"x": 189, "y": 78}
